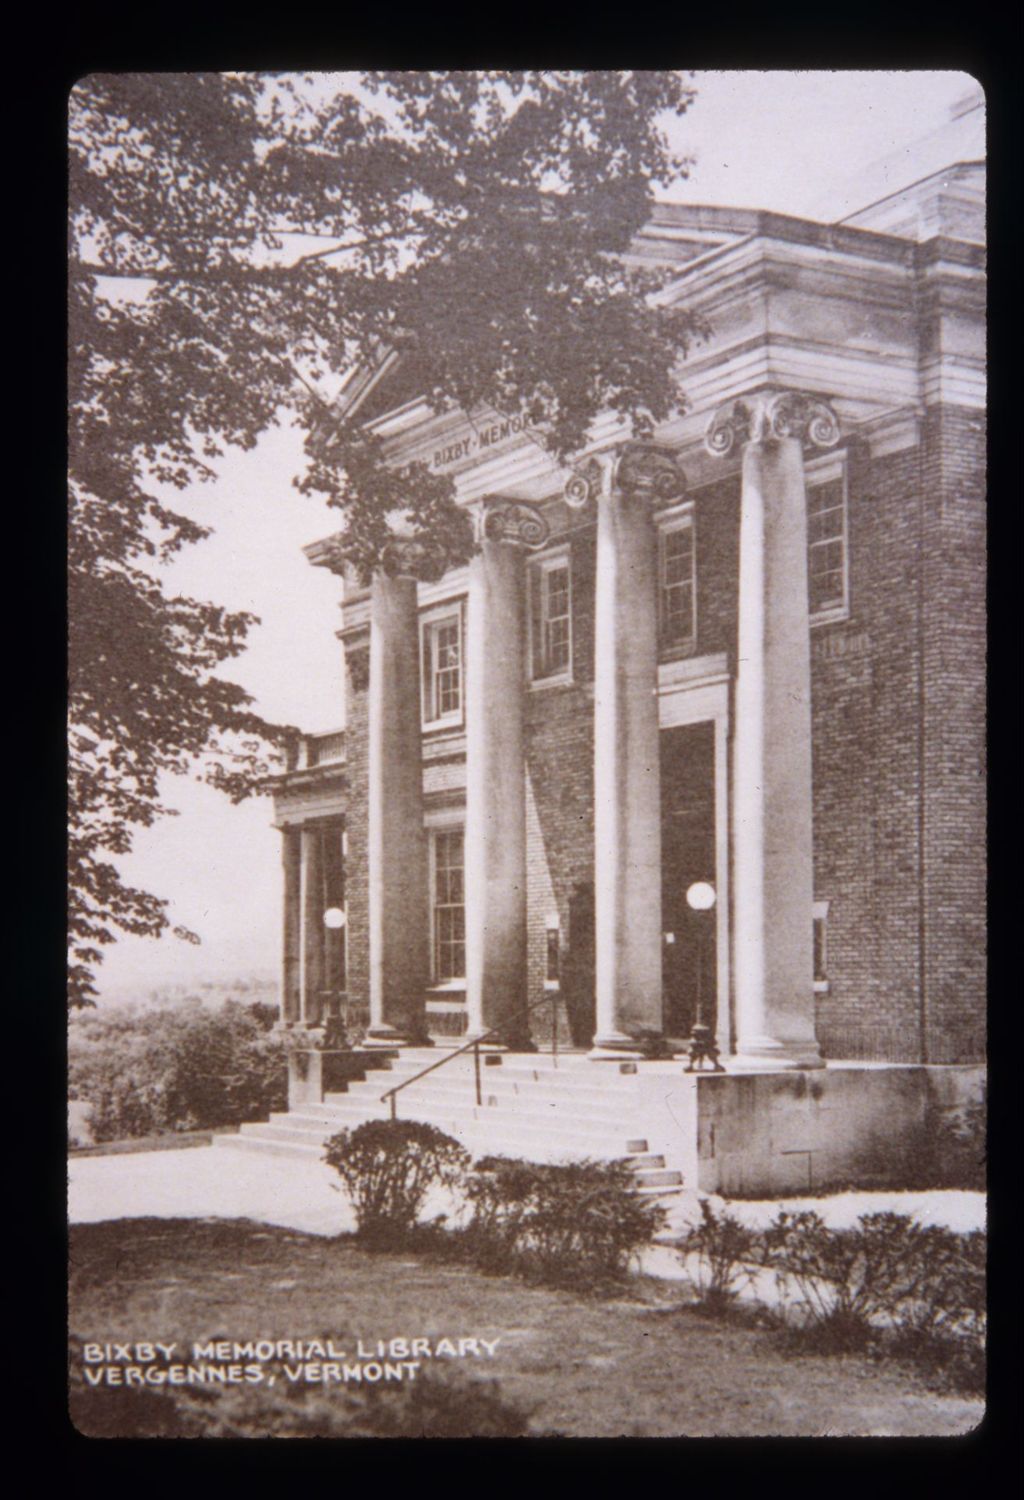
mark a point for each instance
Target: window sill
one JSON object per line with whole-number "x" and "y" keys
{"x": 448, "y": 987}
{"x": 821, "y": 986}
{"x": 563, "y": 679}
{"x": 676, "y": 651}
{"x": 453, "y": 722}
{"x": 830, "y": 616}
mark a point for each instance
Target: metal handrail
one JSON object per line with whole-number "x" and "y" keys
{"x": 473, "y": 1046}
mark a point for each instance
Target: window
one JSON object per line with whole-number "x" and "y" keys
{"x": 551, "y": 619}
{"x": 826, "y": 549}
{"x": 821, "y": 946}
{"x": 449, "y": 929}
{"x": 441, "y": 659}
{"x": 677, "y": 582}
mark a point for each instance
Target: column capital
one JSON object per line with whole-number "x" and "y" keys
{"x": 641, "y": 470}
{"x": 512, "y": 521}
{"x": 649, "y": 471}
{"x": 412, "y": 557}
{"x": 587, "y": 480}
{"x": 768, "y": 415}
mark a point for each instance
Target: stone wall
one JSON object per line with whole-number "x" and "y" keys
{"x": 743, "y": 1135}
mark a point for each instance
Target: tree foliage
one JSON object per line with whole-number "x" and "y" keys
{"x": 237, "y": 243}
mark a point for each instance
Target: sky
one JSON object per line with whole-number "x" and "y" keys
{"x": 797, "y": 143}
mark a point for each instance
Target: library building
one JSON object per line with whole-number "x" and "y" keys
{"x": 659, "y": 829}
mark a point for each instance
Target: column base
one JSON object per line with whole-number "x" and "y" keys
{"x": 615, "y": 1046}
{"x": 392, "y": 1036}
{"x": 766, "y": 1055}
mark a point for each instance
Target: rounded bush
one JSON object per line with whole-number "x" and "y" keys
{"x": 388, "y": 1167}
{"x": 572, "y": 1224}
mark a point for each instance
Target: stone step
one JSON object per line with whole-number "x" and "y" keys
{"x": 463, "y": 1092}
{"x": 495, "y": 1124}
{"x": 440, "y": 1085}
{"x": 661, "y": 1177}
{"x": 549, "y": 1105}
{"x": 271, "y": 1147}
{"x": 535, "y": 1065}
{"x": 479, "y": 1138}
{"x": 499, "y": 1122}
{"x": 501, "y": 1065}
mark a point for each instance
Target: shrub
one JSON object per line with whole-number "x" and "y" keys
{"x": 576, "y": 1224}
{"x": 147, "y": 1071}
{"x": 925, "y": 1283}
{"x": 723, "y": 1249}
{"x": 951, "y": 1149}
{"x": 388, "y": 1167}
{"x": 846, "y": 1277}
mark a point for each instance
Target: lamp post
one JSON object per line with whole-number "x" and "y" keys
{"x": 700, "y": 898}
{"x": 335, "y": 1035}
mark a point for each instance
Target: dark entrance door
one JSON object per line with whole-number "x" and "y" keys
{"x": 578, "y": 971}
{"x": 687, "y": 855}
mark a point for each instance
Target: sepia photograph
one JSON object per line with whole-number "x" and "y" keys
{"x": 527, "y": 754}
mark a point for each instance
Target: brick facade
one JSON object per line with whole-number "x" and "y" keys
{"x": 898, "y": 745}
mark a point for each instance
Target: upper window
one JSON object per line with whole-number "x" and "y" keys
{"x": 677, "y": 582}
{"x": 551, "y": 619}
{"x": 827, "y": 569}
{"x": 441, "y": 659}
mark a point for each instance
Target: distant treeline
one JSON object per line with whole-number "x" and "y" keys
{"x": 176, "y": 1063}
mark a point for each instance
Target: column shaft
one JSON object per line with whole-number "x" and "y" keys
{"x": 772, "y": 794}
{"x": 495, "y": 855}
{"x": 291, "y": 923}
{"x": 312, "y": 927}
{"x": 397, "y": 845}
{"x": 627, "y": 780}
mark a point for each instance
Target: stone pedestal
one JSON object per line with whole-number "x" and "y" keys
{"x": 397, "y": 845}
{"x": 773, "y": 855}
{"x": 314, "y": 1072}
{"x": 495, "y": 848}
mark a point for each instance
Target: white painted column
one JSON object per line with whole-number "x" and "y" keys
{"x": 495, "y": 849}
{"x": 627, "y": 773}
{"x": 312, "y": 948}
{"x": 291, "y": 923}
{"x": 397, "y": 854}
{"x": 773, "y": 852}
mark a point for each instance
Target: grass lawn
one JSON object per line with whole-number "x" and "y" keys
{"x": 643, "y": 1365}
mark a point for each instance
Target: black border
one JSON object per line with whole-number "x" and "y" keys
{"x": 977, "y": 39}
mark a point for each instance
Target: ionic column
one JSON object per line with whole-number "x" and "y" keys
{"x": 627, "y": 777}
{"x": 312, "y": 939}
{"x": 397, "y": 844}
{"x": 291, "y": 868}
{"x": 495, "y": 847}
{"x": 773, "y": 853}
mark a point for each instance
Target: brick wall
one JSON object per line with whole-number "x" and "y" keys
{"x": 864, "y": 686}
{"x": 560, "y": 783}
{"x": 953, "y": 459}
